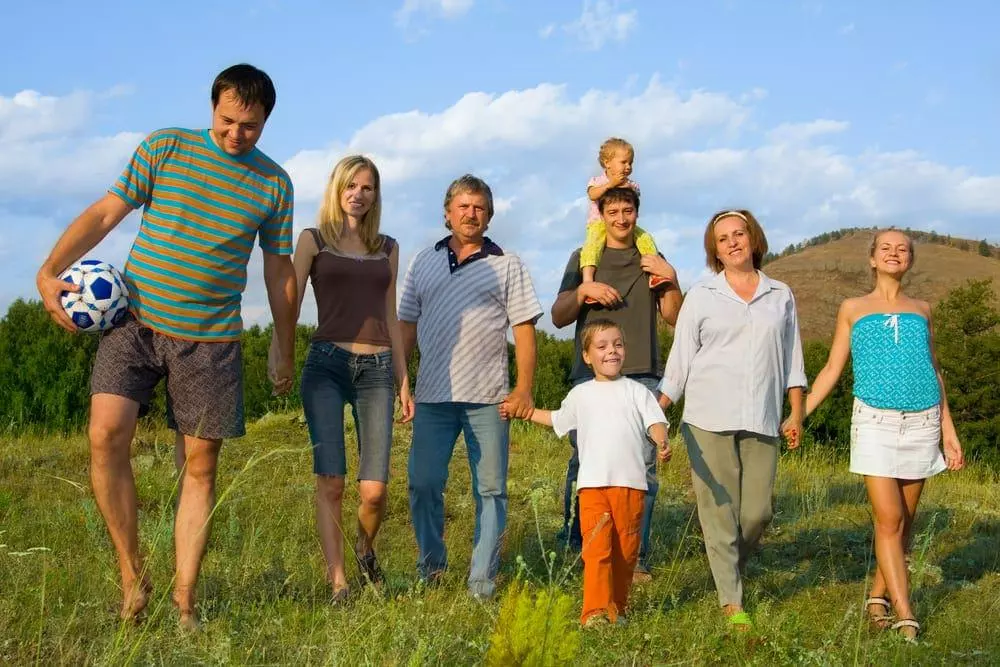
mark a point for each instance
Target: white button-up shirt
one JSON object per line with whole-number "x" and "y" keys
{"x": 734, "y": 360}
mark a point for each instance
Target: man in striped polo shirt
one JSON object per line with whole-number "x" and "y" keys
{"x": 206, "y": 196}
{"x": 458, "y": 300}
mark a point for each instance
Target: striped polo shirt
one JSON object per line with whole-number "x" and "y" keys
{"x": 202, "y": 210}
{"x": 463, "y": 311}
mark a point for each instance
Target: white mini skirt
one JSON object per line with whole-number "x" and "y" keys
{"x": 893, "y": 443}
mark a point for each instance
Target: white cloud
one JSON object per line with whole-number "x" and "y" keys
{"x": 601, "y": 22}
{"x": 444, "y": 8}
{"x": 847, "y": 29}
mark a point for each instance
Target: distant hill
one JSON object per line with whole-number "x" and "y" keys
{"x": 825, "y": 270}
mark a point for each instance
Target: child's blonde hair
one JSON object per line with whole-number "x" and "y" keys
{"x": 609, "y": 147}
{"x": 594, "y": 327}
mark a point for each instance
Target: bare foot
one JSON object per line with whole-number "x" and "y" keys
{"x": 135, "y": 598}
{"x": 184, "y": 601}
{"x": 738, "y": 619}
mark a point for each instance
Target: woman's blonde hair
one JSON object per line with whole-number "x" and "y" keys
{"x": 758, "y": 241}
{"x": 878, "y": 234}
{"x": 331, "y": 214}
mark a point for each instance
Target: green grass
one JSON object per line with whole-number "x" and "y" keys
{"x": 263, "y": 598}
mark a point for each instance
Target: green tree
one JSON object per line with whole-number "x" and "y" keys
{"x": 967, "y": 343}
{"x": 984, "y": 249}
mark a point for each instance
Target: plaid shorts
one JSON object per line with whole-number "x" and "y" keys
{"x": 204, "y": 380}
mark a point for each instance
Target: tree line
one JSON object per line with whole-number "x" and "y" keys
{"x": 981, "y": 247}
{"x": 45, "y": 373}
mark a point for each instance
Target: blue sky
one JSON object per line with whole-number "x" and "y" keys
{"x": 816, "y": 115}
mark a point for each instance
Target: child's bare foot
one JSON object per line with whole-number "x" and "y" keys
{"x": 135, "y": 597}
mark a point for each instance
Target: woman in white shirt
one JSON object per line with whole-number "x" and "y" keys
{"x": 736, "y": 352}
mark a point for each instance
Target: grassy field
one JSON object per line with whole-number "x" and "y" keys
{"x": 264, "y": 599}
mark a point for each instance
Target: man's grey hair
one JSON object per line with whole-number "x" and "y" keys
{"x": 469, "y": 184}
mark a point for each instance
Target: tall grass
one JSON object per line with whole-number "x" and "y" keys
{"x": 263, "y": 598}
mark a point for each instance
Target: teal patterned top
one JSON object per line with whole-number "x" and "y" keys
{"x": 892, "y": 362}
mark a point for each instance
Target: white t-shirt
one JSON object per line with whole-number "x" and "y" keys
{"x": 611, "y": 419}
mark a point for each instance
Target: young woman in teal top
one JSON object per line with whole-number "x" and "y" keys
{"x": 900, "y": 414}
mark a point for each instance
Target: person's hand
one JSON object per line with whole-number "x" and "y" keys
{"x": 616, "y": 179}
{"x": 953, "y": 452}
{"x": 518, "y": 404}
{"x": 791, "y": 428}
{"x": 51, "y": 287}
{"x": 280, "y": 371}
{"x": 406, "y": 404}
{"x": 663, "y": 400}
{"x": 657, "y": 266}
{"x": 606, "y": 295}
{"x": 664, "y": 452}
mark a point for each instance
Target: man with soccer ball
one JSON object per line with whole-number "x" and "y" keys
{"x": 206, "y": 196}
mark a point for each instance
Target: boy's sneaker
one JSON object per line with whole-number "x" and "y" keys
{"x": 641, "y": 574}
{"x": 598, "y": 620}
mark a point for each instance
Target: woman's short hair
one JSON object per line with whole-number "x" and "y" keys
{"x": 758, "y": 241}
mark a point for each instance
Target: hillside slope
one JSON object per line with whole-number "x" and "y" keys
{"x": 824, "y": 275}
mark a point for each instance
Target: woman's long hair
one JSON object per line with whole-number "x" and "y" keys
{"x": 331, "y": 214}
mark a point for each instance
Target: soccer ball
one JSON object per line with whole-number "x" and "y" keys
{"x": 103, "y": 301}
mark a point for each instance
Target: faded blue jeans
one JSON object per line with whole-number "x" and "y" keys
{"x": 571, "y": 506}
{"x": 435, "y": 430}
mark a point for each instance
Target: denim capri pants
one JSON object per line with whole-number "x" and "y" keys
{"x": 332, "y": 378}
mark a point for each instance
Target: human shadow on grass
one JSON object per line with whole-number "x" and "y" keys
{"x": 821, "y": 556}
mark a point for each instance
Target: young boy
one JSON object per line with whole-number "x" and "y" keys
{"x": 612, "y": 415}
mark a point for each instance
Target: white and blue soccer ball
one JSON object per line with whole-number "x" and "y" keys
{"x": 102, "y": 303}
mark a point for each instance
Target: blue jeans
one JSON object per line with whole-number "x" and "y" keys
{"x": 571, "y": 506}
{"x": 333, "y": 377}
{"x": 435, "y": 429}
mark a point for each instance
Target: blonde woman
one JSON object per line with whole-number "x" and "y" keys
{"x": 355, "y": 355}
{"x": 900, "y": 414}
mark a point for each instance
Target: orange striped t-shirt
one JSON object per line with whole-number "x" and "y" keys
{"x": 186, "y": 271}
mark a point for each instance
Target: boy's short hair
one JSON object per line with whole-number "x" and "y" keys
{"x": 619, "y": 195}
{"x": 609, "y": 147}
{"x": 594, "y": 327}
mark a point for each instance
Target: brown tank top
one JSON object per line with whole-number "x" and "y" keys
{"x": 350, "y": 293}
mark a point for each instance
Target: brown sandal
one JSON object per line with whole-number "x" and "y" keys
{"x": 879, "y": 620}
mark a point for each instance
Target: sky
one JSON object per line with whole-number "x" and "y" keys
{"x": 815, "y": 115}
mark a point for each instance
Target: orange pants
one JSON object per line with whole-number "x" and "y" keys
{"x": 611, "y": 523}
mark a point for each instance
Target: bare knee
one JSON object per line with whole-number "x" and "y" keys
{"x": 200, "y": 464}
{"x": 329, "y": 490}
{"x": 373, "y": 495}
{"x": 109, "y": 440}
{"x": 890, "y": 524}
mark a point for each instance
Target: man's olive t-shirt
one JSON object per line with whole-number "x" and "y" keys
{"x": 636, "y": 316}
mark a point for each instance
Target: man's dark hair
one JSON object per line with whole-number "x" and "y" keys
{"x": 618, "y": 195}
{"x": 251, "y": 85}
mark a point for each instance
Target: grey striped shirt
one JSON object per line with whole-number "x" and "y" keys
{"x": 463, "y": 313}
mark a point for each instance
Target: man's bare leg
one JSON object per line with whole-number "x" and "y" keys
{"x": 197, "y": 459}
{"x": 112, "y": 426}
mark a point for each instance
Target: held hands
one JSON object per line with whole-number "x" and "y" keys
{"x": 407, "y": 406}
{"x": 51, "y": 287}
{"x": 280, "y": 371}
{"x": 518, "y": 404}
{"x": 791, "y": 428}
{"x": 663, "y": 451}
